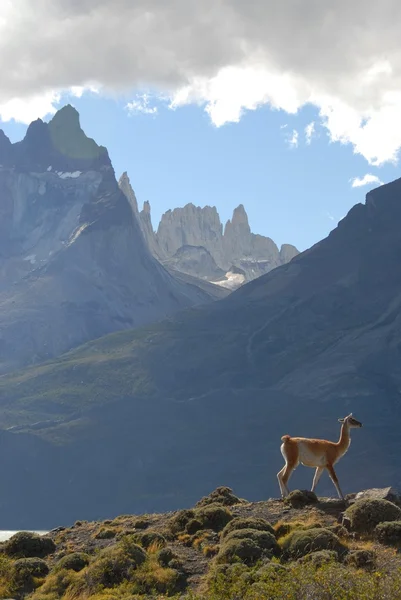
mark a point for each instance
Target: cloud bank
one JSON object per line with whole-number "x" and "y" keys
{"x": 228, "y": 55}
{"x": 365, "y": 180}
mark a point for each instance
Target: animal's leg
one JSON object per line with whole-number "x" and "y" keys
{"x": 280, "y": 482}
{"x": 334, "y": 479}
{"x": 318, "y": 474}
{"x": 288, "y": 469}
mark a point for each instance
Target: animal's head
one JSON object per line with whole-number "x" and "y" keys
{"x": 351, "y": 421}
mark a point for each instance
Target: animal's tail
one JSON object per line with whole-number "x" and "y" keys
{"x": 285, "y": 438}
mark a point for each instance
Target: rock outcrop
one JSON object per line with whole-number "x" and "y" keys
{"x": 192, "y": 240}
{"x": 73, "y": 262}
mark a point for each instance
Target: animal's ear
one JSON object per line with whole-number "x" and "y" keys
{"x": 350, "y": 415}
{"x": 341, "y": 420}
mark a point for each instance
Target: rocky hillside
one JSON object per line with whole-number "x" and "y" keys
{"x": 192, "y": 240}
{"x": 73, "y": 263}
{"x": 222, "y": 548}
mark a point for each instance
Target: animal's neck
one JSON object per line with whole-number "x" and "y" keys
{"x": 345, "y": 438}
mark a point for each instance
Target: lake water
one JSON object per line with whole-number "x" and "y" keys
{"x": 5, "y": 535}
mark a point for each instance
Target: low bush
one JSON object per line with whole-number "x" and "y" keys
{"x": 389, "y": 533}
{"x": 180, "y": 520}
{"x": 193, "y": 526}
{"x": 320, "y": 558}
{"x": 149, "y": 538}
{"x": 221, "y": 495}
{"x": 105, "y": 534}
{"x": 76, "y": 561}
{"x": 30, "y": 567}
{"x": 113, "y": 566}
{"x": 361, "y": 559}
{"x": 301, "y": 542}
{"x": 265, "y": 540}
{"x": 300, "y": 498}
{"x": 244, "y": 550}
{"x": 165, "y": 556}
{"x": 213, "y": 517}
{"x": 364, "y": 515}
{"x": 247, "y": 523}
{"x": 25, "y": 544}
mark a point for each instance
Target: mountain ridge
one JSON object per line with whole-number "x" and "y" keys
{"x": 204, "y": 396}
{"x": 233, "y": 249}
{"x": 73, "y": 263}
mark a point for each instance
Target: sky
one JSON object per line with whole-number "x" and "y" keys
{"x": 292, "y": 109}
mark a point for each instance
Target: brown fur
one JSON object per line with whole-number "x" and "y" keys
{"x": 321, "y": 454}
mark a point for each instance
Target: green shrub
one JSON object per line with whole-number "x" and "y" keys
{"x": 361, "y": 559}
{"x": 389, "y": 533}
{"x": 165, "y": 556}
{"x": 271, "y": 571}
{"x": 109, "y": 569}
{"x": 365, "y": 514}
{"x": 265, "y": 540}
{"x": 221, "y": 495}
{"x": 74, "y": 562}
{"x": 176, "y": 564}
{"x": 320, "y": 558}
{"x": 300, "y": 498}
{"x": 25, "y": 544}
{"x": 247, "y": 523}
{"x": 30, "y": 567}
{"x": 333, "y": 581}
{"x": 140, "y": 524}
{"x": 135, "y": 553}
{"x": 114, "y": 565}
{"x": 339, "y": 530}
{"x": 301, "y": 542}
{"x": 149, "y": 538}
{"x": 179, "y": 521}
{"x": 213, "y": 517}
{"x": 245, "y": 550}
{"x": 282, "y": 529}
{"x": 193, "y": 526}
{"x": 105, "y": 534}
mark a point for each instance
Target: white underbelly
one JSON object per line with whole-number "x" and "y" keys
{"x": 309, "y": 458}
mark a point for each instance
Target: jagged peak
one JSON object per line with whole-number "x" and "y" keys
{"x": 239, "y": 215}
{"x": 35, "y": 130}
{"x": 146, "y": 209}
{"x": 69, "y": 138}
{"x": 67, "y": 115}
{"x": 124, "y": 179}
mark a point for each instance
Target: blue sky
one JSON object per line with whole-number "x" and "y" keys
{"x": 292, "y": 194}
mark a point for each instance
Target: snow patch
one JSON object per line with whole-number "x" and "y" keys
{"x": 232, "y": 281}
{"x": 49, "y": 168}
{"x": 31, "y": 258}
{"x": 73, "y": 175}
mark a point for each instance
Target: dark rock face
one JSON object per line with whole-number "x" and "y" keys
{"x": 73, "y": 262}
{"x": 192, "y": 240}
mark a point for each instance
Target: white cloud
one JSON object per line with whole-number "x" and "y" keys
{"x": 229, "y": 56}
{"x": 309, "y": 132}
{"x": 141, "y": 104}
{"x": 26, "y": 110}
{"x": 293, "y": 139}
{"x": 365, "y": 180}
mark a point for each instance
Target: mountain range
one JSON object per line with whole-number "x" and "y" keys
{"x": 192, "y": 240}
{"x": 153, "y": 418}
{"x": 73, "y": 261}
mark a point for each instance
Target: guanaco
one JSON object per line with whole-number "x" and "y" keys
{"x": 321, "y": 454}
